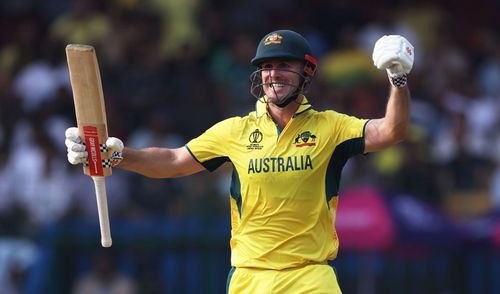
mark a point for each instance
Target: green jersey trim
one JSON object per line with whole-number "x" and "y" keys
{"x": 337, "y": 162}
{"x": 211, "y": 164}
{"x": 235, "y": 189}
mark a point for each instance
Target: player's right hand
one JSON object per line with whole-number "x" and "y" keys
{"x": 76, "y": 149}
{"x": 77, "y": 152}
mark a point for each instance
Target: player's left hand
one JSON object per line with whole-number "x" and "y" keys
{"x": 115, "y": 146}
{"x": 395, "y": 54}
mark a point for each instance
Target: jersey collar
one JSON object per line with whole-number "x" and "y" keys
{"x": 261, "y": 107}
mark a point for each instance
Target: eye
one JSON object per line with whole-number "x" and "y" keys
{"x": 283, "y": 65}
{"x": 267, "y": 66}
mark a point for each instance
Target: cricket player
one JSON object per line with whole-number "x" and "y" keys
{"x": 287, "y": 160}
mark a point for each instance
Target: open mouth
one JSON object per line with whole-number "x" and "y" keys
{"x": 277, "y": 85}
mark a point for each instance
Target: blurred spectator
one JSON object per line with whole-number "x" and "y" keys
{"x": 387, "y": 22}
{"x": 179, "y": 26}
{"x": 16, "y": 257}
{"x": 488, "y": 75}
{"x": 104, "y": 277}
{"x": 10, "y": 113}
{"x": 157, "y": 130}
{"x": 346, "y": 66}
{"x": 20, "y": 43}
{"x": 83, "y": 202}
{"x": 152, "y": 196}
{"x": 427, "y": 21}
{"x": 229, "y": 67}
{"x": 82, "y": 24}
{"x": 38, "y": 177}
{"x": 408, "y": 168}
{"x": 39, "y": 81}
{"x": 494, "y": 183}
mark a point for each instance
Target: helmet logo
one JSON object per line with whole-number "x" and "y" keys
{"x": 273, "y": 38}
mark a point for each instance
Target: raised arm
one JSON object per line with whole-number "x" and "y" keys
{"x": 394, "y": 54}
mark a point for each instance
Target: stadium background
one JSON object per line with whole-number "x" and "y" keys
{"x": 421, "y": 217}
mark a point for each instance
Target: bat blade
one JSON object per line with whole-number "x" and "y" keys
{"x": 89, "y": 105}
{"x": 92, "y": 125}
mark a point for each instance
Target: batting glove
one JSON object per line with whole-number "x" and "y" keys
{"x": 395, "y": 54}
{"x": 115, "y": 146}
{"x": 77, "y": 152}
{"x": 76, "y": 149}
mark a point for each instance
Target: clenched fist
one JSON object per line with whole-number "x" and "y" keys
{"x": 395, "y": 54}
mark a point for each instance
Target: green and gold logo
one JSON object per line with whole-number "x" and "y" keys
{"x": 273, "y": 38}
{"x": 305, "y": 139}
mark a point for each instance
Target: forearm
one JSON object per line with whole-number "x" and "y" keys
{"x": 392, "y": 128}
{"x": 157, "y": 162}
{"x": 147, "y": 161}
{"x": 397, "y": 117}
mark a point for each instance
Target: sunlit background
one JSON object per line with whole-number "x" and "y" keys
{"x": 421, "y": 217}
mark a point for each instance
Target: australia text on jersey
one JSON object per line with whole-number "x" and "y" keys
{"x": 279, "y": 164}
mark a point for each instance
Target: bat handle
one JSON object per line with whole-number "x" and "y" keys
{"x": 102, "y": 209}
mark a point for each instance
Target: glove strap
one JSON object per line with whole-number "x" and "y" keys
{"x": 116, "y": 158}
{"x": 399, "y": 81}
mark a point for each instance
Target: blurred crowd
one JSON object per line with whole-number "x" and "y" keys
{"x": 170, "y": 69}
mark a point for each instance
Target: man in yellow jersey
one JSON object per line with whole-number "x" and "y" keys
{"x": 287, "y": 160}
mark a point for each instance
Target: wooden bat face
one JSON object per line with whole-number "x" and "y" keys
{"x": 89, "y": 107}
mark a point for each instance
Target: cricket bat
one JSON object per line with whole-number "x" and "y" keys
{"x": 91, "y": 120}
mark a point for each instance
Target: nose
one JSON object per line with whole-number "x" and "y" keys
{"x": 273, "y": 73}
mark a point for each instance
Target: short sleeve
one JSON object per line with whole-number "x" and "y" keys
{"x": 209, "y": 148}
{"x": 348, "y": 132}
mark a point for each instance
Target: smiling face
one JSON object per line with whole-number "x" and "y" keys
{"x": 280, "y": 79}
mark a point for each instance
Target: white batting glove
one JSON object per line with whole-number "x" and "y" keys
{"x": 115, "y": 146}
{"x": 76, "y": 149}
{"x": 395, "y": 54}
{"x": 77, "y": 152}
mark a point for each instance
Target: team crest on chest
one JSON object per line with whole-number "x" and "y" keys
{"x": 305, "y": 139}
{"x": 255, "y": 138}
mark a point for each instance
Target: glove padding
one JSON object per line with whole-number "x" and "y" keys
{"x": 77, "y": 152}
{"x": 395, "y": 54}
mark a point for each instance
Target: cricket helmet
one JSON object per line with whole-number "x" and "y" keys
{"x": 284, "y": 45}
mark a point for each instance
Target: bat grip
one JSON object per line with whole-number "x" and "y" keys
{"x": 102, "y": 209}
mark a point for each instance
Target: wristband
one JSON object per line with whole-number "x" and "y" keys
{"x": 399, "y": 81}
{"x": 116, "y": 158}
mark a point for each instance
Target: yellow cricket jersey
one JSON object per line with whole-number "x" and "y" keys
{"x": 284, "y": 183}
